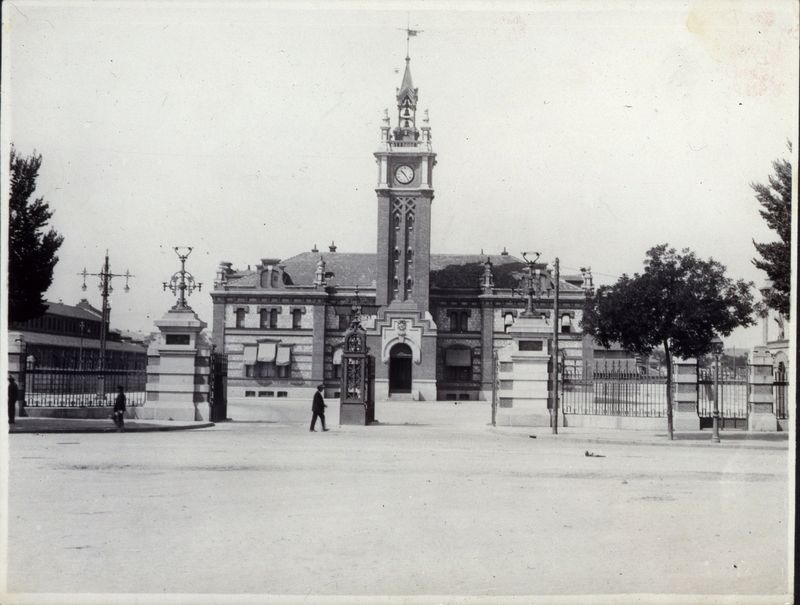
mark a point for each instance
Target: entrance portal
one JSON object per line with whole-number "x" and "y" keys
{"x": 400, "y": 369}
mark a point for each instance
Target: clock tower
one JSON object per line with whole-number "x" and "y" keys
{"x": 405, "y": 161}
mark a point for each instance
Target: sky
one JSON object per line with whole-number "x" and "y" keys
{"x": 585, "y": 131}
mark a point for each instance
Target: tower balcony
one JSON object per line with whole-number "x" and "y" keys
{"x": 409, "y": 146}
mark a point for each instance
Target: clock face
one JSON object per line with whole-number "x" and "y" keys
{"x": 404, "y": 174}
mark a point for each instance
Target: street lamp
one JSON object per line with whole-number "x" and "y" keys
{"x": 716, "y": 349}
{"x": 182, "y": 283}
{"x": 105, "y": 276}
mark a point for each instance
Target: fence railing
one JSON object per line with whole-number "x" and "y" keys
{"x": 612, "y": 392}
{"x": 780, "y": 395}
{"x": 68, "y": 387}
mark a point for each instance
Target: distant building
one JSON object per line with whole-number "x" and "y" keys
{"x": 432, "y": 320}
{"x": 68, "y": 336}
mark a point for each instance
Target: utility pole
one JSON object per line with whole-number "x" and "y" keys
{"x": 105, "y": 276}
{"x": 556, "y": 328}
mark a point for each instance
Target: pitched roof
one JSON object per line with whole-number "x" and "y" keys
{"x": 447, "y": 270}
{"x": 348, "y": 268}
{"x": 466, "y": 270}
{"x": 78, "y": 312}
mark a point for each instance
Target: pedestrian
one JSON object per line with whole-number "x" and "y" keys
{"x": 318, "y": 408}
{"x": 119, "y": 409}
{"x": 13, "y": 395}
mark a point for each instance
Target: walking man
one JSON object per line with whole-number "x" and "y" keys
{"x": 119, "y": 409}
{"x": 318, "y": 408}
{"x": 13, "y": 395}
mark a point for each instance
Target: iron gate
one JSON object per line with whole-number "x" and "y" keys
{"x": 780, "y": 393}
{"x": 733, "y": 392}
{"x": 218, "y": 387}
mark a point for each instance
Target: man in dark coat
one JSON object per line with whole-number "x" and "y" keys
{"x": 318, "y": 409}
{"x": 13, "y": 395}
{"x": 119, "y": 409}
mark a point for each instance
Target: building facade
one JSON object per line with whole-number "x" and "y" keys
{"x": 68, "y": 336}
{"x": 433, "y": 321}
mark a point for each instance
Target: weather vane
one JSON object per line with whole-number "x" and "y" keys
{"x": 182, "y": 283}
{"x": 409, "y": 32}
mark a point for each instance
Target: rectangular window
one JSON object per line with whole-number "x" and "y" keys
{"x": 464, "y": 321}
{"x": 240, "y": 318}
{"x": 530, "y": 345}
{"x": 297, "y": 318}
{"x": 263, "y": 319}
{"x": 454, "y": 327}
{"x": 344, "y": 322}
{"x": 273, "y": 318}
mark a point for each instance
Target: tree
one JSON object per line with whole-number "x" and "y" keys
{"x": 31, "y": 249}
{"x": 680, "y": 302}
{"x": 775, "y": 257}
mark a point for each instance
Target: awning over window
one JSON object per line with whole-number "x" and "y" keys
{"x": 284, "y": 357}
{"x": 266, "y": 351}
{"x": 566, "y": 320}
{"x": 458, "y": 357}
{"x": 250, "y": 354}
{"x": 337, "y": 357}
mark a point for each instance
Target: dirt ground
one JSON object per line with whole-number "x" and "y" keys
{"x": 432, "y": 501}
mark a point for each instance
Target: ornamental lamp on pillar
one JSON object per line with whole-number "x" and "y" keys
{"x": 182, "y": 283}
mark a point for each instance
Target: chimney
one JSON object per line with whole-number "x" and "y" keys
{"x": 332, "y": 247}
{"x": 314, "y": 249}
{"x": 504, "y": 252}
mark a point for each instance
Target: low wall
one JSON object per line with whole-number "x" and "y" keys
{"x": 635, "y": 423}
{"x": 82, "y": 413}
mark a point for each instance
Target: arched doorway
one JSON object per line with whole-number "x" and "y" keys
{"x": 400, "y": 369}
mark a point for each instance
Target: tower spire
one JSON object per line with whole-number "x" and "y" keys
{"x": 407, "y": 98}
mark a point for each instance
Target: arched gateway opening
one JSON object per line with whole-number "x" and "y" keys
{"x": 400, "y": 369}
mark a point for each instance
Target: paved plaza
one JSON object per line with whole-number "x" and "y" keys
{"x": 432, "y": 501}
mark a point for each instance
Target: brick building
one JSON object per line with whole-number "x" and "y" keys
{"x": 432, "y": 320}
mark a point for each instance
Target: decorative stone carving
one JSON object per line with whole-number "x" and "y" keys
{"x": 401, "y": 331}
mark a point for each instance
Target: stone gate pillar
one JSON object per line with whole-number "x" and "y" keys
{"x": 684, "y": 412}
{"x": 760, "y": 412}
{"x": 178, "y": 369}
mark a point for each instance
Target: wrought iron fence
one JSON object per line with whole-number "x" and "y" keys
{"x": 780, "y": 394}
{"x": 70, "y": 387}
{"x": 613, "y": 390}
{"x": 732, "y": 401}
